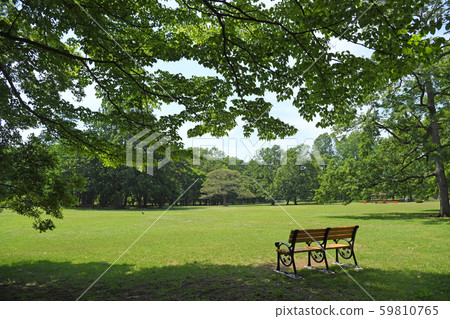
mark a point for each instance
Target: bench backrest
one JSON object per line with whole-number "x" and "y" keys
{"x": 320, "y": 234}
{"x": 304, "y": 235}
{"x": 342, "y": 232}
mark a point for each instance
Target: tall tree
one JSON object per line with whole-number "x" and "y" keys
{"x": 30, "y": 183}
{"x": 298, "y": 177}
{"x": 416, "y": 116}
{"x": 324, "y": 147}
{"x": 223, "y": 182}
{"x": 263, "y": 168}
{"x": 403, "y": 139}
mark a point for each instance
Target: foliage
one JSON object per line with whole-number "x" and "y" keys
{"x": 263, "y": 170}
{"x": 324, "y": 148}
{"x": 30, "y": 183}
{"x": 298, "y": 177}
{"x": 222, "y": 182}
{"x": 64, "y": 46}
{"x": 400, "y": 145}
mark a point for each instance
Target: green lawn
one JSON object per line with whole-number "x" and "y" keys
{"x": 223, "y": 253}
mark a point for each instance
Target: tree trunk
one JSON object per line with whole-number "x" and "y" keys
{"x": 225, "y": 200}
{"x": 295, "y": 201}
{"x": 144, "y": 201}
{"x": 439, "y": 172}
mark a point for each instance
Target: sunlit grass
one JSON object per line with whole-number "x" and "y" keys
{"x": 224, "y": 253}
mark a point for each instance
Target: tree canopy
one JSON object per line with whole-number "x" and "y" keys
{"x": 50, "y": 47}
{"x": 54, "y": 50}
{"x": 223, "y": 182}
{"x": 403, "y": 141}
{"x": 298, "y": 178}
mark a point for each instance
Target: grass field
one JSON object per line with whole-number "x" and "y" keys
{"x": 223, "y": 253}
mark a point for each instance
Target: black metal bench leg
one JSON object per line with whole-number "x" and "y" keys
{"x": 293, "y": 264}
{"x": 325, "y": 259}
{"x": 278, "y": 261}
{"x": 348, "y": 265}
{"x": 337, "y": 255}
{"x": 309, "y": 259}
{"x": 354, "y": 258}
{"x": 328, "y": 271}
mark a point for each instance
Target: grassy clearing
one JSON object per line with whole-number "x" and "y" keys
{"x": 222, "y": 253}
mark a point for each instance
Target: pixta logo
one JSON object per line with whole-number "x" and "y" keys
{"x": 150, "y": 143}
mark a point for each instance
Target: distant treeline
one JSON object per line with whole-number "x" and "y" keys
{"x": 302, "y": 174}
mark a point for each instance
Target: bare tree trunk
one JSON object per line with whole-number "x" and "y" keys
{"x": 439, "y": 172}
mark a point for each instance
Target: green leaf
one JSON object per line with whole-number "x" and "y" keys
{"x": 406, "y": 50}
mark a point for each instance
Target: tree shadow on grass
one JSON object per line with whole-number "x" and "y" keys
{"x": 429, "y": 218}
{"x": 49, "y": 280}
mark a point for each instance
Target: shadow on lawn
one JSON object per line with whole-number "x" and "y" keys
{"x": 430, "y": 218}
{"x": 47, "y": 280}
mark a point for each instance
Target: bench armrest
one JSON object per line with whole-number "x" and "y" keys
{"x": 348, "y": 241}
{"x": 278, "y": 244}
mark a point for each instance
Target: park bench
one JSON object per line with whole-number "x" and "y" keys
{"x": 318, "y": 241}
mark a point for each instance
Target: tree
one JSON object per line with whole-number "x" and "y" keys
{"x": 30, "y": 183}
{"x": 223, "y": 182}
{"x": 55, "y": 46}
{"x": 414, "y": 115}
{"x": 324, "y": 147}
{"x": 263, "y": 169}
{"x": 348, "y": 146}
{"x": 298, "y": 178}
{"x": 52, "y": 48}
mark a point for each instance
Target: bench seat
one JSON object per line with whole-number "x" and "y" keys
{"x": 300, "y": 249}
{"x": 338, "y": 246}
{"x": 312, "y": 248}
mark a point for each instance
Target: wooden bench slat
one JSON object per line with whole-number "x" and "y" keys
{"x": 307, "y": 239}
{"x": 319, "y": 234}
{"x": 338, "y": 246}
{"x": 339, "y": 229}
{"x": 341, "y": 232}
{"x": 311, "y": 238}
{"x": 305, "y": 235}
{"x": 319, "y": 230}
{"x": 300, "y": 249}
{"x": 333, "y": 237}
{"x": 310, "y": 232}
